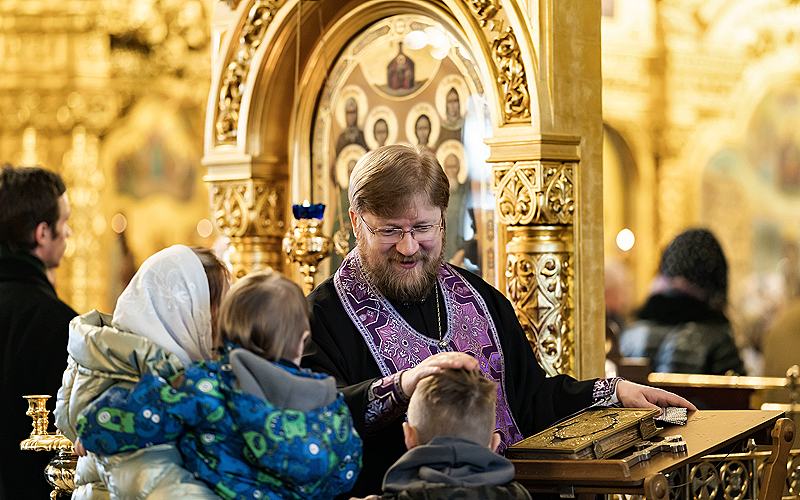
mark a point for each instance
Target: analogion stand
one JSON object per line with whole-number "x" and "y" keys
{"x": 706, "y": 432}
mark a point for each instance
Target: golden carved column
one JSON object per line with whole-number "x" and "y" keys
{"x": 545, "y": 155}
{"x": 248, "y": 193}
{"x": 546, "y": 158}
{"x": 251, "y": 213}
{"x": 535, "y": 200}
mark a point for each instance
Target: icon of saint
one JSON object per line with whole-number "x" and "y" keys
{"x": 380, "y": 131}
{"x": 400, "y": 71}
{"x": 422, "y": 130}
{"x": 351, "y": 133}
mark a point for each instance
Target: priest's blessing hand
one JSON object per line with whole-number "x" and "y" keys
{"x": 641, "y": 396}
{"x": 411, "y": 377}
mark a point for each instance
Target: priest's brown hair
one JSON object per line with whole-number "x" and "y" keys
{"x": 387, "y": 179}
{"x": 265, "y": 313}
{"x": 454, "y": 403}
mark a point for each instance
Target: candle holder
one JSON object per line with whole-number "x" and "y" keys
{"x": 60, "y": 472}
{"x": 305, "y": 244}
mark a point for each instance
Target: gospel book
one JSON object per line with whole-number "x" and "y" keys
{"x": 592, "y": 433}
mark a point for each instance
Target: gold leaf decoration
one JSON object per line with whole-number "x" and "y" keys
{"x": 559, "y": 194}
{"x": 229, "y": 207}
{"x": 538, "y": 286}
{"x": 511, "y": 78}
{"x": 484, "y": 10}
{"x": 250, "y": 207}
{"x": 232, "y": 83}
{"x": 532, "y": 192}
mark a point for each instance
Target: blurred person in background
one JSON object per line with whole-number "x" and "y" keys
{"x": 682, "y": 327}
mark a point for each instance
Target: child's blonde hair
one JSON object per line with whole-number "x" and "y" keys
{"x": 265, "y": 313}
{"x": 441, "y": 402}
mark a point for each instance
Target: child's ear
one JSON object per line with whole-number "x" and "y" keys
{"x": 410, "y": 434}
{"x": 495, "y": 441}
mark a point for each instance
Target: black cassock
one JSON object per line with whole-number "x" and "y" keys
{"x": 338, "y": 349}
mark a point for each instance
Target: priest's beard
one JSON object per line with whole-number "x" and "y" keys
{"x": 396, "y": 283}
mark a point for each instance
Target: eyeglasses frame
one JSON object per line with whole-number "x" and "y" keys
{"x": 373, "y": 231}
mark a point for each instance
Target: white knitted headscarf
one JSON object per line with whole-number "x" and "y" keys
{"x": 168, "y": 302}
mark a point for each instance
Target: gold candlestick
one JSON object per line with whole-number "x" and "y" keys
{"x": 60, "y": 472}
{"x": 305, "y": 244}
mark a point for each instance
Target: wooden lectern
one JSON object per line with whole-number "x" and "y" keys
{"x": 705, "y": 433}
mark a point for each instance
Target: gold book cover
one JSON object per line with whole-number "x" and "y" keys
{"x": 592, "y": 433}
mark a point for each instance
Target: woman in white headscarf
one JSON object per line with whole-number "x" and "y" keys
{"x": 163, "y": 321}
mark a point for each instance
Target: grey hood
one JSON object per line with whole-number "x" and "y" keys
{"x": 265, "y": 380}
{"x": 448, "y": 461}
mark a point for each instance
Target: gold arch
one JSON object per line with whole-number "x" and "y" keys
{"x": 266, "y": 28}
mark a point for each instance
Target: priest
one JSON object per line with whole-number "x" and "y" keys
{"x": 395, "y": 312}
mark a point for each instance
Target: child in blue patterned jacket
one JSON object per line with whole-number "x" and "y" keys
{"x": 250, "y": 424}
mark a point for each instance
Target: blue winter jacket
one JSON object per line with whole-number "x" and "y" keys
{"x": 248, "y": 427}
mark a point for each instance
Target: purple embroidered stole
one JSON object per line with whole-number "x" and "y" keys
{"x": 395, "y": 345}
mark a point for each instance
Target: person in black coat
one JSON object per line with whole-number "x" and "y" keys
{"x": 682, "y": 327}
{"x": 33, "y": 321}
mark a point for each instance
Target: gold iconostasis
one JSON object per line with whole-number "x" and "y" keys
{"x": 700, "y": 112}
{"x": 111, "y": 95}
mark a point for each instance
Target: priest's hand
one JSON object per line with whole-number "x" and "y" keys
{"x": 641, "y": 396}
{"x": 411, "y": 377}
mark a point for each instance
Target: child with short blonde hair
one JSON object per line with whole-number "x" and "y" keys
{"x": 451, "y": 440}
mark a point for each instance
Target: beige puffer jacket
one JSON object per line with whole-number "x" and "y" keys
{"x": 101, "y": 357}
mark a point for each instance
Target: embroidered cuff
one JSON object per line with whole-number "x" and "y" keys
{"x": 605, "y": 392}
{"x": 386, "y": 401}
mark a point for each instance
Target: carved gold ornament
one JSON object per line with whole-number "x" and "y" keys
{"x": 484, "y": 10}
{"x": 250, "y": 213}
{"x": 506, "y": 56}
{"x": 248, "y": 207}
{"x": 232, "y": 83}
{"x": 538, "y": 284}
{"x": 533, "y": 192}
